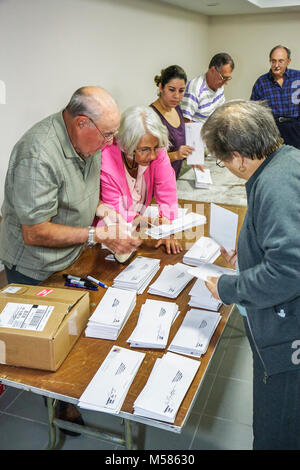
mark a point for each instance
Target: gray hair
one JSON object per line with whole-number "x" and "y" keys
{"x": 287, "y": 50}
{"x": 84, "y": 104}
{"x": 137, "y": 121}
{"x": 246, "y": 127}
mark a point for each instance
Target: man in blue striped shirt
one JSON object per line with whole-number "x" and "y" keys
{"x": 280, "y": 87}
{"x": 205, "y": 93}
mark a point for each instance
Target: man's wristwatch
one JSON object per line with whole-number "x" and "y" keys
{"x": 91, "y": 237}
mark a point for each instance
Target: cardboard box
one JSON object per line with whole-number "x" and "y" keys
{"x": 40, "y": 325}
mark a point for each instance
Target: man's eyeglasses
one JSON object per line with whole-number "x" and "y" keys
{"x": 220, "y": 164}
{"x": 224, "y": 79}
{"x": 108, "y": 136}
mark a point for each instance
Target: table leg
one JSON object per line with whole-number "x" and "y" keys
{"x": 128, "y": 434}
{"x": 52, "y": 429}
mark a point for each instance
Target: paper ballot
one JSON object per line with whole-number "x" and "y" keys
{"x": 166, "y": 387}
{"x": 193, "y": 138}
{"x": 210, "y": 270}
{"x": 178, "y": 225}
{"x": 109, "y": 386}
{"x": 202, "y": 178}
{"x": 137, "y": 275}
{"x": 154, "y": 323}
{"x": 204, "y": 250}
{"x": 171, "y": 281}
{"x": 111, "y": 313}
{"x": 195, "y": 332}
{"x": 201, "y": 297}
{"x": 223, "y": 226}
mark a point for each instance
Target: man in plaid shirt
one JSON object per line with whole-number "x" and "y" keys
{"x": 280, "y": 87}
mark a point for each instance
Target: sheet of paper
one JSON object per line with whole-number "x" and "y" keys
{"x": 178, "y": 225}
{"x": 223, "y": 226}
{"x": 193, "y": 138}
{"x": 210, "y": 270}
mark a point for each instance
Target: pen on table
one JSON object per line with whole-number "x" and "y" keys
{"x": 75, "y": 279}
{"x": 69, "y": 284}
{"x": 90, "y": 278}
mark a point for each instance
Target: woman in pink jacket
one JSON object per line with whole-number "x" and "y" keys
{"x": 136, "y": 168}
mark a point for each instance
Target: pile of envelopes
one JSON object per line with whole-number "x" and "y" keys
{"x": 171, "y": 281}
{"x": 137, "y": 275}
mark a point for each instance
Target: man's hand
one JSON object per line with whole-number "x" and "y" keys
{"x": 211, "y": 285}
{"x": 108, "y": 215}
{"x": 117, "y": 238}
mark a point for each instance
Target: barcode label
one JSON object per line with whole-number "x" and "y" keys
{"x": 25, "y": 316}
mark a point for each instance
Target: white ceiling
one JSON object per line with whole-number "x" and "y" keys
{"x": 236, "y": 7}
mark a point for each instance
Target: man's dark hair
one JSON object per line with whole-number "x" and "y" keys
{"x": 288, "y": 51}
{"x": 221, "y": 59}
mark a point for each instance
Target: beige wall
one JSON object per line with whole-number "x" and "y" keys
{"x": 249, "y": 39}
{"x": 50, "y": 48}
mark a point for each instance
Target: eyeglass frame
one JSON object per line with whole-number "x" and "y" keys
{"x": 224, "y": 79}
{"x": 146, "y": 150}
{"x": 105, "y": 138}
{"x": 220, "y": 163}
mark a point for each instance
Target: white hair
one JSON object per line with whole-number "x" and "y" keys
{"x": 137, "y": 121}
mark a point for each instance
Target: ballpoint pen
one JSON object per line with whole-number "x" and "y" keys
{"x": 68, "y": 284}
{"x": 90, "y": 278}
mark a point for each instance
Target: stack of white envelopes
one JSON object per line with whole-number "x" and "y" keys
{"x": 111, "y": 314}
{"x": 202, "y": 179}
{"x": 109, "y": 386}
{"x": 137, "y": 275}
{"x": 201, "y": 297}
{"x": 171, "y": 281}
{"x": 178, "y": 225}
{"x": 204, "y": 250}
{"x": 154, "y": 323}
{"x": 166, "y": 387}
{"x": 195, "y": 332}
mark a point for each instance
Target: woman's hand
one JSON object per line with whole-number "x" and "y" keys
{"x": 230, "y": 256}
{"x": 200, "y": 167}
{"x": 172, "y": 245}
{"x": 211, "y": 284}
{"x": 184, "y": 151}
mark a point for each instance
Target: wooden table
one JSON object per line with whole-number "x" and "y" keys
{"x": 71, "y": 379}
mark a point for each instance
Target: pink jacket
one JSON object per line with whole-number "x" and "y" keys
{"x": 159, "y": 177}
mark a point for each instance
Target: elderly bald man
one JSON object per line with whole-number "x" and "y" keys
{"x": 52, "y": 190}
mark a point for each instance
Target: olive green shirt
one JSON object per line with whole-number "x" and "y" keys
{"x": 46, "y": 179}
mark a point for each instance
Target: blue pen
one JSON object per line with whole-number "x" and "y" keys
{"x": 80, "y": 287}
{"x": 97, "y": 282}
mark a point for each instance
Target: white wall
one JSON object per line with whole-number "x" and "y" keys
{"x": 249, "y": 39}
{"x": 51, "y": 48}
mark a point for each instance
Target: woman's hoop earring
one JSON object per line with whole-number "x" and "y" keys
{"x": 242, "y": 169}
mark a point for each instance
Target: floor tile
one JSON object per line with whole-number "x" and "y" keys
{"x": 231, "y": 399}
{"x": 29, "y": 405}
{"x": 237, "y": 363}
{"x": 21, "y": 434}
{"x": 219, "y": 434}
{"x": 10, "y": 394}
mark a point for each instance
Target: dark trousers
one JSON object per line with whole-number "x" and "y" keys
{"x": 276, "y": 407}
{"x": 290, "y": 132}
{"x": 14, "y": 276}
